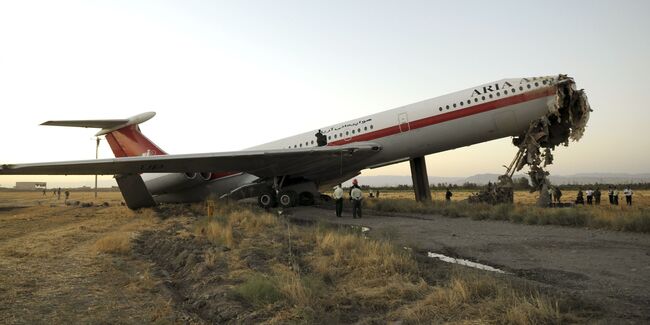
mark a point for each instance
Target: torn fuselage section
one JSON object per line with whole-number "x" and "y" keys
{"x": 566, "y": 120}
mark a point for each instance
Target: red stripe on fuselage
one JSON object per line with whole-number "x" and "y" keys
{"x": 460, "y": 113}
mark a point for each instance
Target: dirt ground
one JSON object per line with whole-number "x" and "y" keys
{"x": 610, "y": 269}
{"x": 51, "y": 270}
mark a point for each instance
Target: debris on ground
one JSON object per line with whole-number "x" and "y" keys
{"x": 500, "y": 192}
{"x": 566, "y": 120}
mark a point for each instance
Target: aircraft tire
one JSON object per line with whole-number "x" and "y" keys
{"x": 287, "y": 199}
{"x": 267, "y": 200}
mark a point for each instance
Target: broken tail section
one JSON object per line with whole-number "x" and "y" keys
{"x": 123, "y": 135}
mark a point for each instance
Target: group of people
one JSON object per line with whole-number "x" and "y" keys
{"x": 593, "y": 196}
{"x": 355, "y": 194}
{"x": 57, "y": 193}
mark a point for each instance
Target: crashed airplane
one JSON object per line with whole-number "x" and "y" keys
{"x": 540, "y": 113}
{"x": 566, "y": 120}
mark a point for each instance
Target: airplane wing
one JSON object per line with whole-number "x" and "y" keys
{"x": 306, "y": 162}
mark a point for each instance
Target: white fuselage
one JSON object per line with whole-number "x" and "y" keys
{"x": 474, "y": 115}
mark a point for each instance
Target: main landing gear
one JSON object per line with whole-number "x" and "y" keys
{"x": 285, "y": 199}
{"x": 297, "y": 194}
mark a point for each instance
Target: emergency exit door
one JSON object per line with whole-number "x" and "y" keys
{"x": 403, "y": 121}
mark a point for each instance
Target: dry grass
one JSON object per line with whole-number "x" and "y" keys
{"x": 641, "y": 198}
{"x": 623, "y": 218}
{"x": 115, "y": 243}
{"x": 477, "y": 298}
{"x": 57, "y": 274}
{"x": 287, "y": 274}
{"x": 348, "y": 253}
{"x": 218, "y": 233}
{"x": 219, "y": 227}
{"x": 335, "y": 276}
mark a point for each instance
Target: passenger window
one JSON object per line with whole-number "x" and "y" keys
{"x": 352, "y": 131}
{"x": 447, "y": 106}
{"x": 490, "y": 95}
{"x": 537, "y": 84}
{"x": 528, "y": 86}
{"x": 498, "y": 94}
{"x": 505, "y": 92}
{"x": 482, "y": 97}
{"x": 371, "y": 127}
{"x": 365, "y": 128}
{"x": 544, "y": 82}
{"x": 469, "y": 101}
{"x": 521, "y": 88}
{"x": 440, "y": 109}
{"x": 512, "y": 90}
{"x": 359, "y": 130}
{"x": 476, "y": 100}
{"x": 454, "y": 105}
{"x": 462, "y": 103}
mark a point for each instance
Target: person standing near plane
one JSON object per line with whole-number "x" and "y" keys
{"x": 558, "y": 195}
{"x": 615, "y": 195}
{"x": 58, "y": 194}
{"x": 321, "y": 139}
{"x": 590, "y": 196}
{"x": 580, "y": 199}
{"x": 356, "y": 195}
{"x": 597, "y": 196}
{"x": 338, "y": 197}
{"x": 628, "y": 195}
{"x": 448, "y": 195}
{"x": 610, "y": 192}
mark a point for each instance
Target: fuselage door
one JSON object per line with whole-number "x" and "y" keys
{"x": 403, "y": 121}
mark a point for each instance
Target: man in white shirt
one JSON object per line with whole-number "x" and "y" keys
{"x": 338, "y": 196}
{"x": 628, "y": 195}
{"x": 590, "y": 196}
{"x": 356, "y": 195}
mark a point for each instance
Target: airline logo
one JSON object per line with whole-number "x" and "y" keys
{"x": 488, "y": 89}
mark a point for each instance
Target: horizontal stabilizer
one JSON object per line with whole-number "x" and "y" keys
{"x": 98, "y": 124}
{"x": 106, "y": 126}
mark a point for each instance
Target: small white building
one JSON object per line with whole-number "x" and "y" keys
{"x": 30, "y": 186}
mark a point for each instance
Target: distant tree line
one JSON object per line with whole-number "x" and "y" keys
{"x": 519, "y": 184}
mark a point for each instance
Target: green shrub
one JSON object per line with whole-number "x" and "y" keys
{"x": 259, "y": 290}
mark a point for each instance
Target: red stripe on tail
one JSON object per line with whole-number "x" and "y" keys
{"x": 129, "y": 141}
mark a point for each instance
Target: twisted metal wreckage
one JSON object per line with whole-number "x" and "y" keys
{"x": 566, "y": 120}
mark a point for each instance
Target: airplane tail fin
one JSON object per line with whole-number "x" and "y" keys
{"x": 123, "y": 135}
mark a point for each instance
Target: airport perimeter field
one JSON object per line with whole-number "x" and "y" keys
{"x": 641, "y": 198}
{"x": 70, "y": 264}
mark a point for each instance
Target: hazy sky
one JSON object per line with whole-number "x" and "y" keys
{"x": 229, "y": 75}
